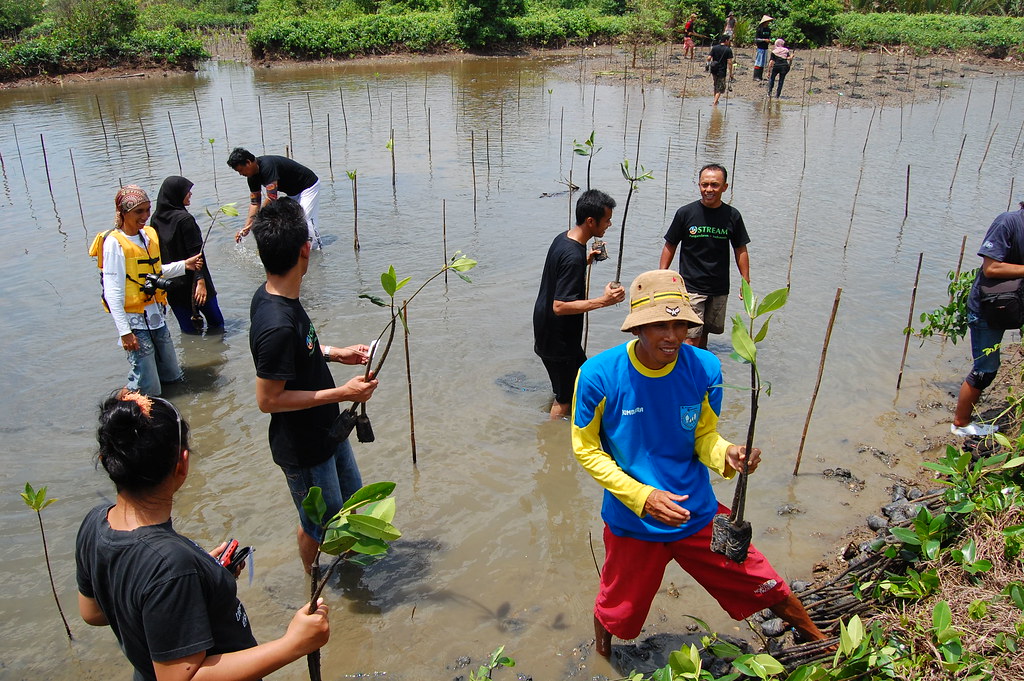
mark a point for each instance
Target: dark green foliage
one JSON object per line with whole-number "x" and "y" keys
{"x": 167, "y": 14}
{"x": 97, "y": 22}
{"x": 485, "y": 22}
{"x": 16, "y": 15}
{"x": 997, "y": 36}
{"x": 810, "y": 23}
{"x": 560, "y": 27}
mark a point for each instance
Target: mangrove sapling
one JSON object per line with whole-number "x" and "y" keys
{"x": 586, "y": 148}
{"x": 227, "y": 209}
{"x": 497, "y": 659}
{"x": 357, "y": 538}
{"x": 730, "y": 533}
{"x": 213, "y": 158}
{"x": 355, "y": 208}
{"x": 37, "y": 501}
{"x": 391, "y": 148}
{"x": 640, "y": 174}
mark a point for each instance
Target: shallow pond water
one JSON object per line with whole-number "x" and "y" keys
{"x": 498, "y": 519}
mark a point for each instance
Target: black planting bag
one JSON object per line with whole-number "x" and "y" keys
{"x": 1002, "y": 303}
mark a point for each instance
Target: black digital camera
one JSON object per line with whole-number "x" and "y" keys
{"x": 154, "y": 282}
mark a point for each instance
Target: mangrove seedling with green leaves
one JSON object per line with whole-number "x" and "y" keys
{"x": 730, "y": 533}
{"x": 640, "y": 174}
{"x": 358, "y": 538}
{"x": 227, "y": 209}
{"x": 355, "y": 208}
{"x": 391, "y": 284}
{"x": 37, "y": 501}
{"x": 586, "y": 148}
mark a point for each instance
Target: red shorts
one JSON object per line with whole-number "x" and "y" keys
{"x": 633, "y": 570}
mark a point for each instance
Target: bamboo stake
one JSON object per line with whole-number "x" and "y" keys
{"x": 561, "y": 129}
{"x": 792, "y": 247}
{"x": 17, "y": 145}
{"x": 853, "y": 208}
{"x": 429, "y": 139}
{"x": 696, "y": 138}
{"x": 344, "y": 116}
{"x": 472, "y": 160}
{"x": 817, "y": 383}
{"x": 291, "y": 143}
{"x": 309, "y": 105}
{"x": 444, "y": 239}
{"x": 224, "y": 118}
{"x": 864, "y": 149}
{"x": 967, "y": 105}
{"x": 355, "y": 210}
{"x": 957, "y": 166}
{"x": 735, "y": 150}
{"x": 145, "y": 141}
{"x": 487, "y": 151}
{"x": 198, "y": 115}
{"x": 369, "y": 103}
{"x": 263, "y": 140}
{"x": 330, "y": 160}
{"x": 1016, "y": 141}
{"x": 519, "y": 91}
{"x": 46, "y": 164}
{"x": 985, "y": 155}
{"x": 668, "y": 157}
{"x": 993, "y": 110}
{"x": 501, "y": 129}
{"x": 1009, "y": 199}
{"x": 174, "y": 138}
{"x": 74, "y": 174}
{"x": 99, "y": 109}
{"x": 910, "y": 320}
{"x": 408, "y": 380}
{"x": 906, "y": 197}
{"x": 393, "y": 177}
{"x": 959, "y": 262}
{"x": 117, "y": 132}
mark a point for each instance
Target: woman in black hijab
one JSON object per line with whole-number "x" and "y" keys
{"x": 191, "y": 298}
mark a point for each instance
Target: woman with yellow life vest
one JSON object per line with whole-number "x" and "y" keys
{"x": 133, "y": 293}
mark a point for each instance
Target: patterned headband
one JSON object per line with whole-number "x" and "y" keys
{"x": 129, "y": 197}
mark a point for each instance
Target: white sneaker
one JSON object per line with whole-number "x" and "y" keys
{"x": 973, "y": 428}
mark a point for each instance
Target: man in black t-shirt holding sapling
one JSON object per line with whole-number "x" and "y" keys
{"x": 704, "y": 230}
{"x": 293, "y": 383}
{"x": 720, "y": 65}
{"x": 561, "y": 301}
{"x": 278, "y": 175}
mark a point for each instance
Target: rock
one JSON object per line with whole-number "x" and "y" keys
{"x": 893, "y": 507}
{"x": 799, "y": 586}
{"x": 914, "y": 493}
{"x": 789, "y": 509}
{"x": 877, "y": 522}
{"x": 899, "y": 492}
{"x": 899, "y": 515}
{"x": 773, "y": 627}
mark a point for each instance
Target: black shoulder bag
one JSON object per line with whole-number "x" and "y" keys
{"x": 1002, "y": 303}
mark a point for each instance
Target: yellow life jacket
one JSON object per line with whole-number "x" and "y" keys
{"x": 138, "y": 262}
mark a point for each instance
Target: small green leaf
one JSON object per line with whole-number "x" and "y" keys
{"x": 229, "y": 209}
{"x": 338, "y": 541}
{"x": 749, "y": 299}
{"x": 1014, "y": 462}
{"x": 773, "y": 301}
{"x": 351, "y": 174}
{"x": 741, "y": 340}
{"x": 464, "y": 278}
{"x": 763, "y": 332}
{"x": 389, "y": 281}
{"x": 463, "y": 264}
{"x": 398, "y": 287}
{"x": 942, "y": 616}
{"x": 373, "y": 299}
{"x": 314, "y": 505}
{"x": 906, "y": 536}
{"x": 370, "y": 546}
{"x": 383, "y": 509}
{"x": 372, "y": 527}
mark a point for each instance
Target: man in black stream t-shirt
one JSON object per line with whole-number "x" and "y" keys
{"x": 293, "y": 383}
{"x": 278, "y": 175}
{"x": 561, "y": 301}
{"x": 704, "y": 231}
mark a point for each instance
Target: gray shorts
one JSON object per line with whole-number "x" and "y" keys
{"x": 711, "y": 309}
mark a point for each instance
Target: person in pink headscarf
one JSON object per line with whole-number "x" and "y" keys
{"x": 779, "y": 59}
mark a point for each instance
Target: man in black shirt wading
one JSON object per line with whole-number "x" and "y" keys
{"x": 561, "y": 302}
{"x": 720, "y": 65}
{"x": 278, "y": 175}
{"x": 704, "y": 230}
{"x": 293, "y": 383}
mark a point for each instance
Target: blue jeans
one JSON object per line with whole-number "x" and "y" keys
{"x": 209, "y": 310}
{"x": 154, "y": 362}
{"x": 982, "y": 338}
{"x": 338, "y": 478}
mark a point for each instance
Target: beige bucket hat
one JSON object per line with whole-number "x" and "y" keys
{"x": 658, "y": 296}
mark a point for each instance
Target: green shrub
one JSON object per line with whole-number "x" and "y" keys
{"x": 17, "y": 15}
{"x": 97, "y": 22}
{"x": 168, "y": 14}
{"x": 810, "y": 23}
{"x": 485, "y": 22}
{"x": 566, "y": 26}
{"x": 997, "y": 36}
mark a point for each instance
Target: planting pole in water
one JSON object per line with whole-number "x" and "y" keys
{"x": 198, "y": 116}
{"x": 46, "y": 164}
{"x": 803, "y": 166}
{"x": 74, "y": 174}
{"x": 330, "y": 162}
{"x": 735, "y": 151}
{"x": 906, "y": 197}
{"x": 993, "y": 110}
{"x": 864, "y": 149}
{"x": 910, "y": 320}
{"x": 117, "y": 132}
{"x": 519, "y": 91}
{"x": 99, "y": 109}
{"x": 696, "y": 138}
{"x": 853, "y": 208}
{"x": 953, "y": 179}
{"x": 487, "y": 152}
{"x": 959, "y": 262}
{"x": 561, "y": 128}
{"x": 444, "y": 239}
{"x": 792, "y": 247}
{"x": 967, "y": 105}
{"x": 668, "y": 156}
{"x": 901, "y": 120}
{"x": 224, "y": 118}
{"x": 408, "y": 381}
{"x": 17, "y": 145}
{"x": 392, "y": 138}
{"x": 429, "y": 140}
{"x": 353, "y": 175}
{"x": 309, "y": 105}
{"x": 1014, "y": 151}
{"x": 472, "y": 161}
{"x": 817, "y": 383}
{"x": 501, "y": 129}
{"x": 174, "y": 138}
{"x": 1009, "y": 200}
{"x": 344, "y": 116}
{"x": 835, "y": 116}
{"x": 259, "y": 107}
{"x": 145, "y": 142}
{"x": 369, "y": 103}
{"x": 985, "y": 155}
{"x": 291, "y": 144}
{"x": 593, "y": 103}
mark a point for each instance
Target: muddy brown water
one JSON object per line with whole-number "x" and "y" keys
{"x": 497, "y": 517}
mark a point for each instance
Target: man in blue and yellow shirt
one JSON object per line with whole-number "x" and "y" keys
{"x": 645, "y": 426}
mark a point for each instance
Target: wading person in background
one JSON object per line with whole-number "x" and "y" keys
{"x": 730, "y": 25}
{"x": 1002, "y": 258}
{"x": 180, "y": 238}
{"x": 172, "y": 606}
{"x": 644, "y": 425}
{"x": 720, "y": 62}
{"x": 278, "y": 175}
{"x": 293, "y": 383}
{"x": 689, "y": 29}
{"x": 704, "y": 231}
{"x": 562, "y": 299}
{"x": 780, "y": 59}
{"x": 133, "y": 280}
{"x": 762, "y": 41}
